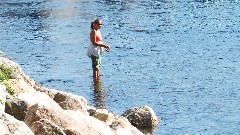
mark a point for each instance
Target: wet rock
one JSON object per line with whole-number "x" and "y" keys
{"x": 142, "y": 117}
{"x": 17, "y": 108}
{"x": 71, "y": 102}
{"x": 1, "y": 52}
{"x": 46, "y": 127}
{"x": 10, "y": 125}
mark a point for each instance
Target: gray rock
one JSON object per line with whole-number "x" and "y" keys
{"x": 71, "y": 102}
{"x": 46, "y": 127}
{"x": 36, "y": 97}
{"x": 17, "y": 108}
{"x": 123, "y": 127}
{"x": 67, "y": 120}
{"x": 141, "y": 117}
{"x": 10, "y": 125}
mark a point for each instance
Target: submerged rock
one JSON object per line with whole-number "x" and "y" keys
{"x": 1, "y": 52}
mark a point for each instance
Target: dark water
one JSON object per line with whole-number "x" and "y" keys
{"x": 179, "y": 57}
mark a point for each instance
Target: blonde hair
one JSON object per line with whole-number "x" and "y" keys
{"x": 95, "y": 21}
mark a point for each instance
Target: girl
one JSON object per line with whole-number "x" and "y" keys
{"x": 96, "y": 48}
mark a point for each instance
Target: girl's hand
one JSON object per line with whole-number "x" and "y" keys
{"x": 107, "y": 48}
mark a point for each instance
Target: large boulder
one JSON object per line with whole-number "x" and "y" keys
{"x": 17, "y": 108}
{"x": 50, "y": 92}
{"x": 9, "y": 125}
{"x": 66, "y": 101}
{"x": 46, "y": 127}
{"x": 36, "y": 97}
{"x": 71, "y": 102}
{"x": 67, "y": 120}
{"x": 142, "y": 117}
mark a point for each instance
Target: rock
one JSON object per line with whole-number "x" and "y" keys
{"x": 17, "y": 108}
{"x": 91, "y": 110}
{"x": 46, "y": 127}
{"x": 71, "y": 132}
{"x": 17, "y": 71}
{"x": 67, "y": 120}
{"x": 19, "y": 81}
{"x": 9, "y": 125}
{"x": 87, "y": 125}
{"x": 19, "y": 86}
{"x": 71, "y": 102}
{"x": 141, "y": 117}
{"x": 123, "y": 127}
{"x": 103, "y": 115}
{"x": 3, "y": 94}
{"x": 38, "y": 111}
{"x": 1, "y": 52}
{"x": 50, "y": 92}
{"x": 36, "y": 97}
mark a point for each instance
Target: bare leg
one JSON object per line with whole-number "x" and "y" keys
{"x": 98, "y": 75}
{"x": 95, "y": 74}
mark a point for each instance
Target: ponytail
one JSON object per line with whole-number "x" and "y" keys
{"x": 92, "y": 25}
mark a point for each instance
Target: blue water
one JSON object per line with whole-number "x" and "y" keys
{"x": 181, "y": 58}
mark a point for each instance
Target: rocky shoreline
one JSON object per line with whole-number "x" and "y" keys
{"x": 33, "y": 109}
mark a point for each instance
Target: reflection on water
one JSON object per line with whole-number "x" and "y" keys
{"x": 217, "y": 1}
{"x": 99, "y": 95}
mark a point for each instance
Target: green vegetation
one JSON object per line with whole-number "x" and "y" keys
{"x": 4, "y": 77}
